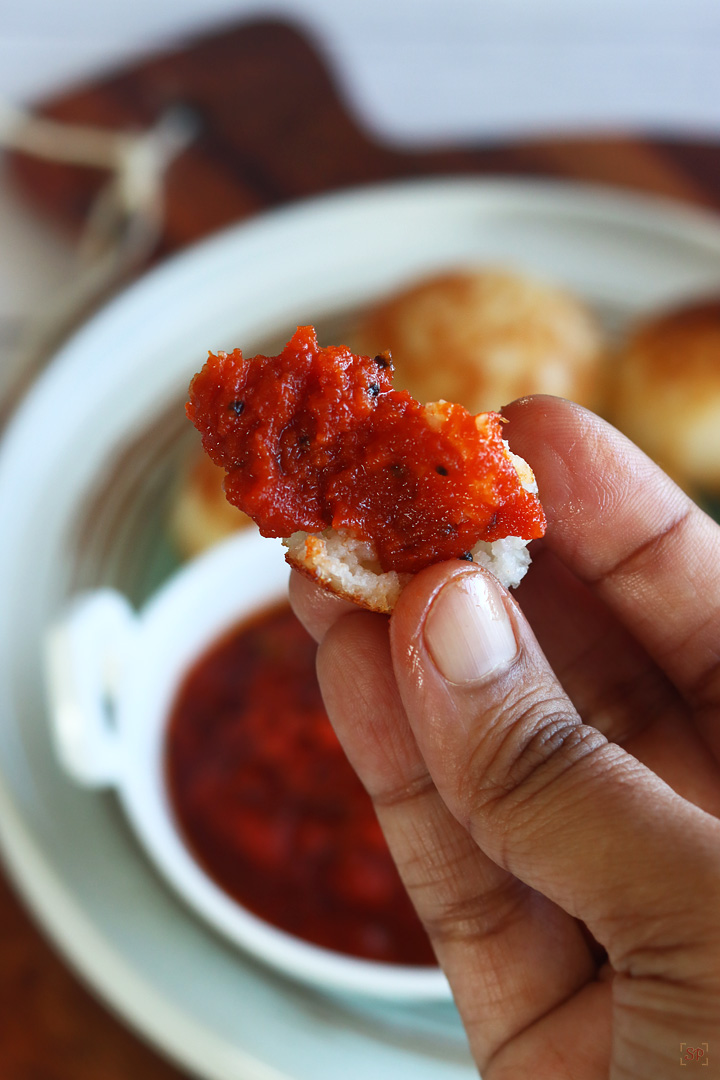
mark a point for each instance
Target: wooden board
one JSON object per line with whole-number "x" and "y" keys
{"x": 270, "y": 127}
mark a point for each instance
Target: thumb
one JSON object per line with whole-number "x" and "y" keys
{"x": 547, "y": 797}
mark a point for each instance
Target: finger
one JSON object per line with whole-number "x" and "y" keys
{"x": 611, "y": 680}
{"x": 613, "y": 683}
{"x": 510, "y": 955}
{"x": 624, "y": 527}
{"x": 569, "y": 1043}
{"x": 316, "y": 608}
{"x": 546, "y": 797}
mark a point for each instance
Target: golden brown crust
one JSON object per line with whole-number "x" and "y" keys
{"x": 312, "y": 574}
{"x": 485, "y": 337}
{"x": 680, "y": 346}
{"x": 666, "y": 391}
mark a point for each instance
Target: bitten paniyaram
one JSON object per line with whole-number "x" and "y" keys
{"x": 366, "y": 485}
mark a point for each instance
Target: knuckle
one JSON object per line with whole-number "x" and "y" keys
{"x": 677, "y": 942}
{"x": 524, "y": 752}
{"x": 415, "y": 789}
{"x": 475, "y": 918}
{"x": 705, "y": 693}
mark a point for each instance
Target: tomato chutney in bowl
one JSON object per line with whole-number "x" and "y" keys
{"x": 203, "y": 712}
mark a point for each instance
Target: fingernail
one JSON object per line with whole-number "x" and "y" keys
{"x": 468, "y": 630}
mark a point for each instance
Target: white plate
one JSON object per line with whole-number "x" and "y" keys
{"x": 84, "y": 474}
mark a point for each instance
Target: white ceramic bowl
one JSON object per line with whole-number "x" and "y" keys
{"x": 113, "y": 675}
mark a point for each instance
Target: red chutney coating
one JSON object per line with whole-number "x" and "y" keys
{"x": 317, "y": 438}
{"x": 267, "y": 801}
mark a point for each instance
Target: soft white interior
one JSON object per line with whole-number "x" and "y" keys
{"x": 350, "y": 567}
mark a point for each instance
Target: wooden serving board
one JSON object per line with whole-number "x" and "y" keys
{"x": 271, "y": 127}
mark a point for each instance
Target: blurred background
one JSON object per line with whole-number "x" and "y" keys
{"x": 321, "y": 94}
{"x": 423, "y": 72}
{"x": 413, "y": 76}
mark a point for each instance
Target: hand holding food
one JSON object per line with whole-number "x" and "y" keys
{"x": 548, "y": 776}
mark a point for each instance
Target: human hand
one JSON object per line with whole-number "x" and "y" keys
{"x": 544, "y": 790}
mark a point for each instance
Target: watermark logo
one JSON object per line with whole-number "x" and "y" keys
{"x": 694, "y": 1055}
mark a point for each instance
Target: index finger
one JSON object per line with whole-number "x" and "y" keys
{"x": 622, "y": 526}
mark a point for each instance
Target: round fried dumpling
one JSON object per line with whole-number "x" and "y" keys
{"x": 200, "y": 515}
{"x": 485, "y": 337}
{"x": 667, "y": 392}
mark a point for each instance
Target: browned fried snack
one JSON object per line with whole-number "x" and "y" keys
{"x": 201, "y": 515}
{"x": 483, "y": 337}
{"x": 666, "y": 392}
{"x": 366, "y": 485}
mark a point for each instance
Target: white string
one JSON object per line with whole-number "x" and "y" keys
{"x": 123, "y": 224}
{"x": 73, "y": 143}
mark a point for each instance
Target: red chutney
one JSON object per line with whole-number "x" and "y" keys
{"x": 317, "y": 438}
{"x": 269, "y": 805}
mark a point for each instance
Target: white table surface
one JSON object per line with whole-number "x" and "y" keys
{"x": 424, "y": 69}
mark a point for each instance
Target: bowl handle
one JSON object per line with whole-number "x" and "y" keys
{"x": 86, "y": 653}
